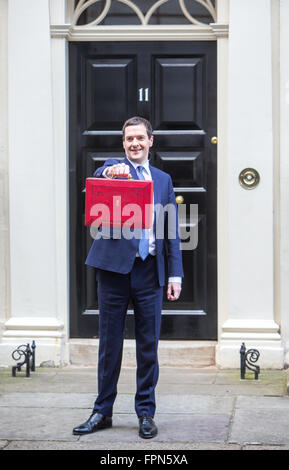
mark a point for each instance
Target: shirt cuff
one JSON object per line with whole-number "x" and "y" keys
{"x": 104, "y": 173}
{"x": 175, "y": 279}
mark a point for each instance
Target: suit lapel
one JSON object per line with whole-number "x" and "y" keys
{"x": 155, "y": 178}
{"x": 157, "y": 193}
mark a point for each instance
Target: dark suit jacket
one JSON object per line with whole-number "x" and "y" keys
{"x": 118, "y": 255}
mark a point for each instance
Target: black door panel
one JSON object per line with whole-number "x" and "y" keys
{"x": 178, "y": 93}
{"x": 185, "y": 167}
{"x": 110, "y": 92}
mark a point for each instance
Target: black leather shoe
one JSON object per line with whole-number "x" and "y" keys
{"x": 95, "y": 422}
{"x": 147, "y": 427}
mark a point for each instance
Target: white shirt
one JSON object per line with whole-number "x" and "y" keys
{"x": 152, "y": 241}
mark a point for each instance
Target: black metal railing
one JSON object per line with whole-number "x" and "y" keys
{"x": 26, "y": 356}
{"x": 248, "y": 359}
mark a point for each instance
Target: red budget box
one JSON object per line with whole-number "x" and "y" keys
{"x": 119, "y": 202}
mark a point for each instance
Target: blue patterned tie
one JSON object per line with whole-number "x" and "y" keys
{"x": 143, "y": 248}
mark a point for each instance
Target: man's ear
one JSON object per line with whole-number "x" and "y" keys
{"x": 151, "y": 140}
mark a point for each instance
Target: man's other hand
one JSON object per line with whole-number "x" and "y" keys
{"x": 174, "y": 290}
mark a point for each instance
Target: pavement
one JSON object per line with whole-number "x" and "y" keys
{"x": 197, "y": 409}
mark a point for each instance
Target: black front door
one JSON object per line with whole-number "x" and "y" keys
{"x": 172, "y": 84}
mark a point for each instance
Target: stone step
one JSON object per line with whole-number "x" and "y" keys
{"x": 84, "y": 352}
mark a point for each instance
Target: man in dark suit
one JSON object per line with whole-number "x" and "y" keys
{"x": 134, "y": 269}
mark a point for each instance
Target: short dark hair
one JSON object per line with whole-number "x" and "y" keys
{"x": 136, "y": 121}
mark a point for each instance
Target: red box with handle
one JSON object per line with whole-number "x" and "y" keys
{"x": 119, "y": 202}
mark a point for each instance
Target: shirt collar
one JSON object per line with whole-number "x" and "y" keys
{"x": 145, "y": 165}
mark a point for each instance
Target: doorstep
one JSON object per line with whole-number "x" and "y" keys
{"x": 84, "y": 352}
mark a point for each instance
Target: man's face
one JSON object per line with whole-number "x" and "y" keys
{"x": 136, "y": 143}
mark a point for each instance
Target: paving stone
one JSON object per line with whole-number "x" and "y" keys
{"x": 194, "y": 404}
{"x": 270, "y": 382}
{"x": 149, "y": 445}
{"x": 187, "y": 376}
{"x": 47, "y": 400}
{"x": 38, "y": 423}
{"x": 249, "y": 402}
{"x": 123, "y": 403}
{"x": 171, "y": 381}
{"x": 260, "y": 426}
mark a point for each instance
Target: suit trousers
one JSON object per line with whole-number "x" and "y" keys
{"x": 115, "y": 291}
